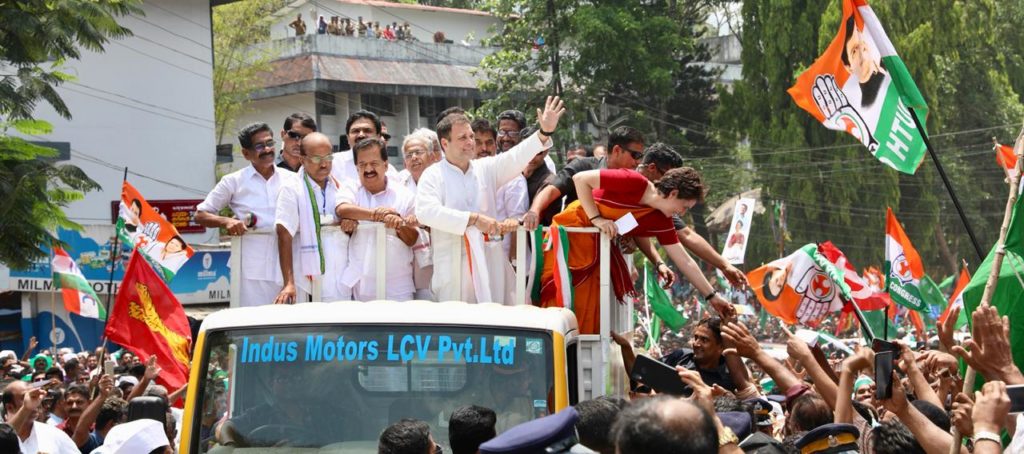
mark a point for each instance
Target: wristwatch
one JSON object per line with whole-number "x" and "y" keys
{"x": 727, "y": 436}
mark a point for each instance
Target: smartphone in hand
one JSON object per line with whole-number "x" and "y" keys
{"x": 108, "y": 367}
{"x": 659, "y": 376}
{"x": 884, "y": 362}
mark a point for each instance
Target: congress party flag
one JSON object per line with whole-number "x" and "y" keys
{"x": 79, "y": 297}
{"x": 147, "y": 320}
{"x": 140, "y": 226}
{"x": 660, "y": 303}
{"x": 802, "y": 287}
{"x": 957, "y": 299}
{"x": 861, "y": 86}
{"x": 903, "y": 269}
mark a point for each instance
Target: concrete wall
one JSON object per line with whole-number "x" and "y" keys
{"x": 456, "y": 26}
{"x": 351, "y": 46}
{"x": 145, "y": 103}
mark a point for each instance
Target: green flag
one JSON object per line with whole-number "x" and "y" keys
{"x": 876, "y": 320}
{"x": 935, "y": 301}
{"x": 660, "y": 303}
{"x": 655, "y": 334}
{"x": 1008, "y": 296}
{"x": 1015, "y": 235}
{"x": 947, "y": 282}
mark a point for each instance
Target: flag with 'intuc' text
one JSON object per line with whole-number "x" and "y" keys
{"x": 862, "y": 87}
{"x": 147, "y": 320}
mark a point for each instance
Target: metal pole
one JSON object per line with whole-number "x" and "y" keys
{"x": 997, "y": 263}
{"x": 115, "y": 256}
{"x": 521, "y": 267}
{"x": 53, "y": 311}
{"x": 381, "y": 246}
{"x": 235, "y": 263}
{"x": 948, "y": 184}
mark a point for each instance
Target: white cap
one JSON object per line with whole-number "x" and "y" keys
{"x": 6, "y": 353}
{"x": 139, "y": 436}
{"x": 127, "y": 379}
{"x": 68, "y": 357}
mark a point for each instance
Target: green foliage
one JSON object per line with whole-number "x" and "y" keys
{"x": 966, "y": 63}
{"x": 238, "y": 61}
{"x": 35, "y": 41}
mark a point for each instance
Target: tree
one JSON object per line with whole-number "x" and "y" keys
{"x": 241, "y": 55}
{"x": 35, "y": 41}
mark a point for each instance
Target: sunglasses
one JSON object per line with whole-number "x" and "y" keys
{"x": 263, "y": 146}
{"x": 509, "y": 134}
{"x": 635, "y": 154}
{"x": 294, "y": 135}
{"x": 318, "y": 159}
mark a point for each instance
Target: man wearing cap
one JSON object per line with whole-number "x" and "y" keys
{"x": 830, "y": 439}
{"x": 135, "y": 437}
{"x": 553, "y": 434}
{"x": 252, "y": 195}
{"x": 20, "y": 406}
{"x": 762, "y": 410}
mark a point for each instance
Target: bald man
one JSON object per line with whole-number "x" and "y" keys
{"x": 20, "y": 407}
{"x": 666, "y": 424}
{"x": 305, "y": 248}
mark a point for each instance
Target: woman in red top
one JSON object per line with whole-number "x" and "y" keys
{"x": 604, "y": 196}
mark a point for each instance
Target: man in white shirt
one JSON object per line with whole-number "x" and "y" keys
{"x": 419, "y": 151}
{"x": 251, "y": 193}
{"x": 20, "y": 406}
{"x": 361, "y": 125}
{"x": 375, "y": 199}
{"x": 306, "y": 248}
{"x": 456, "y": 193}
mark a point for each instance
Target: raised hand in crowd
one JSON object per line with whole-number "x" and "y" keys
{"x": 737, "y": 335}
{"x": 932, "y": 438}
{"x": 548, "y": 118}
{"x": 962, "y": 418}
{"x": 946, "y": 329}
{"x": 704, "y": 397}
{"x": 800, "y": 351}
{"x": 989, "y": 351}
{"x": 862, "y": 359}
{"x": 991, "y": 407}
{"x": 922, "y": 389}
{"x": 151, "y": 373}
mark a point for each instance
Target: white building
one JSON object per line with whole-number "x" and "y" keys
{"x": 145, "y": 103}
{"x": 405, "y": 82}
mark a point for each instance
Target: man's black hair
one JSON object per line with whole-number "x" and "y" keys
{"x": 407, "y": 436}
{"x": 9, "y": 439}
{"x": 663, "y": 157}
{"x": 447, "y": 112}
{"x": 808, "y": 412}
{"x": 245, "y": 134}
{"x": 79, "y": 389}
{"x": 936, "y": 415}
{"x": 728, "y": 402}
{"x": 515, "y": 116}
{"x": 622, "y": 136}
{"x": 469, "y": 427}
{"x": 482, "y": 125}
{"x": 303, "y": 118}
{"x": 892, "y": 437}
{"x": 714, "y": 324}
{"x": 868, "y": 90}
{"x": 114, "y": 410}
{"x": 641, "y": 429}
{"x": 367, "y": 143}
{"x": 595, "y": 425}
{"x": 55, "y": 372}
{"x": 363, "y": 114}
{"x": 444, "y": 127}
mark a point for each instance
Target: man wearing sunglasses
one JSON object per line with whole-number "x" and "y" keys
{"x": 251, "y": 193}
{"x": 296, "y": 126}
{"x": 305, "y": 248}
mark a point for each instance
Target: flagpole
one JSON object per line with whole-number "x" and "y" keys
{"x": 948, "y": 184}
{"x": 997, "y": 263}
{"x": 53, "y": 310}
{"x": 115, "y": 251}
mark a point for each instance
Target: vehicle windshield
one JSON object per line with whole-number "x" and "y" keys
{"x": 335, "y": 389}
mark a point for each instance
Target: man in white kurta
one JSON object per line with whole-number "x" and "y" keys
{"x": 251, "y": 193}
{"x": 455, "y": 194}
{"x": 361, "y": 125}
{"x": 377, "y": 199}
{"x": 309, "y": 245}
{"x": 418, "y": 153}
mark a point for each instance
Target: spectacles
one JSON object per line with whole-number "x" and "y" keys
{"x": 295, "y": 135}
{"x": 261, "y": 147}
{"x": 319, "y": 159}
{"x": 370, "y": 164}
{"x": 509, "y": 134}
{"x": 415, "y": 153}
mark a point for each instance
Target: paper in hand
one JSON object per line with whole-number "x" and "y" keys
{"x": 809, "y": 337}
{"x": 626, "y": 223}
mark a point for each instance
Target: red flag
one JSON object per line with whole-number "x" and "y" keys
{"x": 1005, "y": 157}
{"x": 148, "y": 320}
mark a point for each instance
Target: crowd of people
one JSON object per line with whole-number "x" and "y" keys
{"x": 345, "y": 26}
{"x": 739, "y": 399}
{"x": 63, "y": 402}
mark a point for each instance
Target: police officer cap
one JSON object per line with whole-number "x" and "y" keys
{"x": 830, "y": 439}
{"x": 537, "y": 435}
{"x": 762, "y": 410}
{"x": 760, "y": 443}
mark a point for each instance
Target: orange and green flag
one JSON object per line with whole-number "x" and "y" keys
{"x": 862, "y": 87}
{"x": 903, "y": 269}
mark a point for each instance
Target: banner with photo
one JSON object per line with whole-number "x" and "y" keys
{"x": 739, "y": 231}
{"x": 140, "y": 226}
